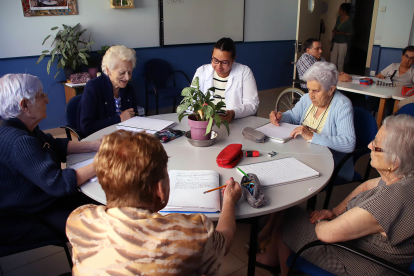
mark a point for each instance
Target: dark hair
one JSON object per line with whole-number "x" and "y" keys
{"x": 409, "y": 48}
{"x": 226, "y": 44}
{"x": 309, "y": 43}
{"x": 346, "y": 7}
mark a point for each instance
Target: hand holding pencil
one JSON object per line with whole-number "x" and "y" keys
{"x": 232, "y": 192}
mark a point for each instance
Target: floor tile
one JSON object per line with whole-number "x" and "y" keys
{"x": 243, "y": 272}
{"x": 17, "y": 260}
{"x": 239, "y": 248}
{"x": 230, "y": 265}
{"x": 51, "y": 266}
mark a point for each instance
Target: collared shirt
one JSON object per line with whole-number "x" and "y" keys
{"x": 118, "y": 105}
{"x": 304, "y": 62}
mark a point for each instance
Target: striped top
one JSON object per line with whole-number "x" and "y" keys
{"x": 118, "y": 106}
{"x": 305, "y": 61}
{"x": 220, "y": 86}
{"x": 132, "y": 241}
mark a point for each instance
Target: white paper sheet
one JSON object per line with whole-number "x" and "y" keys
{"x": 83, "y": 164}
{"x": 279, "y": 133}
{"x": 280, "y": 171}
{"x": 143, "y": 123}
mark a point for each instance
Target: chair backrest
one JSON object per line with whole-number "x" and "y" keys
{"x": 159, "y": 70}
{"x": 72, "y": 111}
{"x": 365, "y": 128}
{"x": 407, "y": 109}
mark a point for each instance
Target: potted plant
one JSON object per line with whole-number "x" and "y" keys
{"x": 201, "y": 111}
{"x": 95, "y": 60}
{"x": 69, "y": 50}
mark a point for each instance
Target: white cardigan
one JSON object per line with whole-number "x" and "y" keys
{"x": 241, "y": 90}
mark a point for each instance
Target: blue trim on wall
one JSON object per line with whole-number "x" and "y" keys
{"x": 384, "y": 56}
{"x": 270, "y": 62}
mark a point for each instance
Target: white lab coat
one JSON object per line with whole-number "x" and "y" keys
{"x": 241, "y": 90}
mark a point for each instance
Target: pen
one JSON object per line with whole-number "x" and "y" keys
{"x": 247, "y": 183}
{"x": 242, "y": 172}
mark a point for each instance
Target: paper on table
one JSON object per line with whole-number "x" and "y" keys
{"x": 186, "y": 191}
{"x": 75, "y": 84}
{"x": 83, "y": 164}
{"x": 144, "y": 123}
{"x": 279, "y": 133}
{"x": 280, "y": 171}
{"x": 355, "y": 79}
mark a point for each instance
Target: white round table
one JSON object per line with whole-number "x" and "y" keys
{"x": 184, "y": 156}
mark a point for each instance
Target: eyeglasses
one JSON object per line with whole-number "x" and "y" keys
{"x": 43, "y": 96}
{"x": 408, "y": 57}
{"x": 223, "y": 62}
{"x": 375, "y": 148}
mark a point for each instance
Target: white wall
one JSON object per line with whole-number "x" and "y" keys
{"x": 394, "y": 26}
{"x": 21, "y": 36}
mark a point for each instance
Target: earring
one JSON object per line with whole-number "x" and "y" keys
{"x": 389, "y": 169}
{"x": 163, "y": 202}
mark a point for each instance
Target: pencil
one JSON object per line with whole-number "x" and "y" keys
{"x": 242, "y": 172}
{"x": 218, "y": 188}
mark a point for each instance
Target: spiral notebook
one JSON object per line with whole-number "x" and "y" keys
{"x": 280, "y": 171}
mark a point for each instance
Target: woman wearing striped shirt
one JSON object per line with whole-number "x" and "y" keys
{"x": 234, "y": 83}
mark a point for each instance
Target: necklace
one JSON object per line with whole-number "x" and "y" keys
{"x": 323, "y": 115}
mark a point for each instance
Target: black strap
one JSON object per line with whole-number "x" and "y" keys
{"x": 47, "y": 147}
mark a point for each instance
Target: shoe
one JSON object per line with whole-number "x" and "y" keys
{"x": 274, "y": 270}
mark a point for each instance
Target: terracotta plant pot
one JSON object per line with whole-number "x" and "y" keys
{"x": 198, "y": 128}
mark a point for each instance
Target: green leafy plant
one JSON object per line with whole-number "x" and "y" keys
{"x": 69, "y": 50}
{"x": 124, "y": 2}
{"x": 202, "y": 106}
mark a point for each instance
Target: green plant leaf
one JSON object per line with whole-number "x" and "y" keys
{"x": 56, "y": 74}
{"x": 48, "y": 66}
{"x": 219, "y": 105}
{"x": 212, "y": 89}
{"x": 196, "y": 108}
{"x": 182, "y": 108}
{"x": 217, "y": 120}
{"x": 45, "y": 51}
{"x": 187, "y": 91}
{"x": 208, "y": 111}
{"x": 74, "y": 64}
{"x": 40, "y": 58}
{"x": 210, "y": 124}
{"x": 208, "y": 95}
{"x": 226, "y": 124}
{"x": 195, "y": 83}
{"x": 46, "y": 39}
{"x": 181, "y": 116}
{"x": 54, "y": 28}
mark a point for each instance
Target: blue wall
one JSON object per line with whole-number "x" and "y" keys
{"x": 383, "y": 56}
{"x": 269, "y": 61}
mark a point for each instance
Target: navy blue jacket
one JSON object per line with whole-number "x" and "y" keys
{"x": 97, "y": 108}
{"x": 30, "y": 180}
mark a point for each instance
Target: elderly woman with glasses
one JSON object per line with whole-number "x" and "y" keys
{"x": 31, "y": 178}
{"x": 325, "y": 116}
{"x": 109, "y": 99}
{"x": 128, "y": 236}
{"x": 234, "y": 83}
{"x": 376, "y": 217}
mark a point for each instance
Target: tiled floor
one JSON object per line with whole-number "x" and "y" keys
{"x": 51, "y": 260}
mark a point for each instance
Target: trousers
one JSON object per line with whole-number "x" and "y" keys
{"x": 338, "y": 55}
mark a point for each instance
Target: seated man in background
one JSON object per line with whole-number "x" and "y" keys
{"x": 128, "y": 236}
{"x": 313, "y": 53}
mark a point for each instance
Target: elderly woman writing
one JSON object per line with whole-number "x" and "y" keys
{"x": 234, "y": 83}
{"x": 325, "y": 116}
{"x": 31, "y": 178}
{"x": 375, "y": 217}
{"x": 109, "y": 99}
{"x": 128, "y": 236}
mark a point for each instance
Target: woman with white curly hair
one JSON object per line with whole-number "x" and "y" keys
{"x": 31, "y": 178}
{"x": 325, "y": 116}
{"x": 109, "y": 99}
{"x": 376, "y": 217}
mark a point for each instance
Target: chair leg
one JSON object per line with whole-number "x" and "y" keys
{"x": 146, "y": 104}
{"x": 328, "y": 196}
{"x": 311, "y": 205}
{"x": 156, "y": 103}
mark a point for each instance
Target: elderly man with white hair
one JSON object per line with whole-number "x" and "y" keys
{"x": 376, "y": 217}
{"x": 109, "y": 99}
{"x": 325, "y": 116}
{"x": 31, "y": 178}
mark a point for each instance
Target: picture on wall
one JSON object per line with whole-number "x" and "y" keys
{"x": 49, "y": 7}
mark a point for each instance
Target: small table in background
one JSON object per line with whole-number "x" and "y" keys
{"x": 72, "y": 90}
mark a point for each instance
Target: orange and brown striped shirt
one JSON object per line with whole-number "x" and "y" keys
{"x": 132, "y": 241}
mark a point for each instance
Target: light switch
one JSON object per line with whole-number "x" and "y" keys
{"x": 383, "y": 9}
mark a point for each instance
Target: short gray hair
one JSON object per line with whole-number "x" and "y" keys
{"x": 13, "y": 89}
{"x": 399, "y": 143}
{"x": 116, "y": 54}
{"x": 323, "y": 72}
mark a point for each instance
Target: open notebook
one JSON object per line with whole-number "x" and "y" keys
{"x": 150, "y": 125}
{"x": 187, "y": 189}
{"x": 281, "y": 171}
{"x": 279, "y": 133}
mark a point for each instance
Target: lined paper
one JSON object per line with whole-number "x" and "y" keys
{"x": 143, "y": 123}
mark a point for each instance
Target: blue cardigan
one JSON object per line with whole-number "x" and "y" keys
{"x": 97, "y": 107}
{"x": 338, "y": 133}
{"x": 30, "y": 180}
